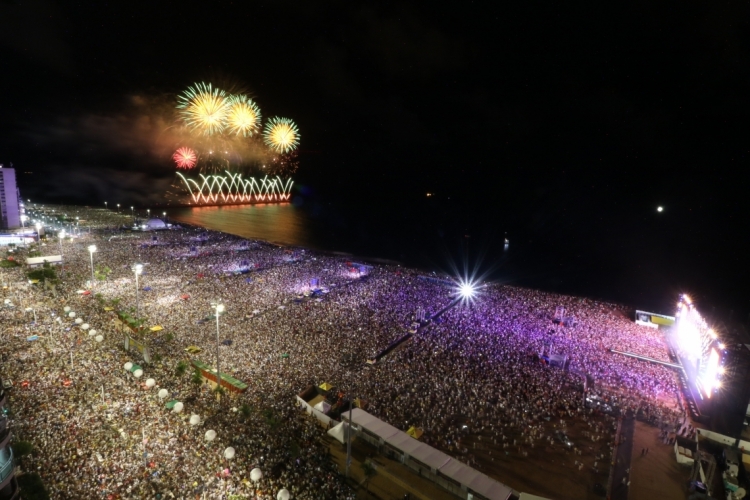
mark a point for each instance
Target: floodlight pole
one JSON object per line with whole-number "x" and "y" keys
{"x": 218, "y": 370}
{"x": 60, "y": 236}
{"x": 92, "y": 249}
{"x": 137, "y": 270}
{"x": 218, "y": 307}
{"x": 349, "y": 437}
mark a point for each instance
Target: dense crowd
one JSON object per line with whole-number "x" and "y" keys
{"x": 100, "y": 432}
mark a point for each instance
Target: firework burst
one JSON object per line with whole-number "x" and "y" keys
{"x": 185, "y": 158}
{"x": 243, "y": 117}
{"x": 204, "y": 108}
{"x": 281, "y": 135}
{"x": 228, "y": 131}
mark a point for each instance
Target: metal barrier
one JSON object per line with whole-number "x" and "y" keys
{"x": 6, "y": 468}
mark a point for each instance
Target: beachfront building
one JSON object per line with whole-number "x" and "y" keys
{"x": 10, "y": 210}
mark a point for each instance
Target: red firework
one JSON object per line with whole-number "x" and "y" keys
{"x": 185, "y": 158}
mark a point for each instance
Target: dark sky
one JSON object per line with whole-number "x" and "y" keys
{"x": 566, "y": 121}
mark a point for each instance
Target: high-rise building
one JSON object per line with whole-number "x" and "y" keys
{"x": 10, "y": 211}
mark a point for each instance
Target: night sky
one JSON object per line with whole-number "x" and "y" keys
{"x": 566, "y": 124}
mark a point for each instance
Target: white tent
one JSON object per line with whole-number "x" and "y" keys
{"x": 39, "y": 261}
{"x": 154, "y": 224}
{"x": 339, "y": 432}
{"x": 529, "y": 496}
{"x": 322, "y": 407}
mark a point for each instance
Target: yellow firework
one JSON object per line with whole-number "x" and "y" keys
{"x": 204, "y": 108}
{"x": 281, "y": 135}
{"x": 243, "y": 117}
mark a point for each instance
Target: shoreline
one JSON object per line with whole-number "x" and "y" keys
{"x": 336, "y": 253}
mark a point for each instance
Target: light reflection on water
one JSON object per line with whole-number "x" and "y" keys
{"x": 278, "y": 223}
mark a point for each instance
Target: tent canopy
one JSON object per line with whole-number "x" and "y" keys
{"x": 326, "y": 386}
{"x": 322, "y": 407}
{"x": 339, "y": 432}
{"x": 415, "y": 432}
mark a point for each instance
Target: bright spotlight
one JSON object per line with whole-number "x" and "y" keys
{"x": 466, "y": 290}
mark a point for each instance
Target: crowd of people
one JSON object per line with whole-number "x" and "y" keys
{"x": 293, "y": 318}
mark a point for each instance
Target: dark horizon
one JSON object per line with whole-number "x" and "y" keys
{"x": 564, "y": 126}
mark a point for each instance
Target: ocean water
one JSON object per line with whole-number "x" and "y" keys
{"x": 277, "y": 223}
{"x": 374, "y": 232}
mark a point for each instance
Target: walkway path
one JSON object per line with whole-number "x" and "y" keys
{"x": 621, "y": 474}
{"x": 655, "y": 474}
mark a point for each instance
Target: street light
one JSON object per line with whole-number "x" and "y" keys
{"x": 132, "y": 214}
{"x": 137, "y": 269}
{"x": 92, "y": 249}
{"x": 148, "y": 211}
{"x": 105, "y": 206}
{"x": 61, "y": 235}
{"x": 38, "y": 228}
{"x": 219, "y": 307}
{"x": 118, "y": 208}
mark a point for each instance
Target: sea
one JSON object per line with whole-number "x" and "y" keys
{"x": 432, "y": 237}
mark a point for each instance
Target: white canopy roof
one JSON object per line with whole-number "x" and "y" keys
{"x": 529, "y": 496}
{"x": 433, "y": 458}
{"x": 155, "y": 224}
{"x": 38, "y": 261}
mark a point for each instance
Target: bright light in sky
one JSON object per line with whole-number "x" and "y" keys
{"x": 659, "y": 209}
